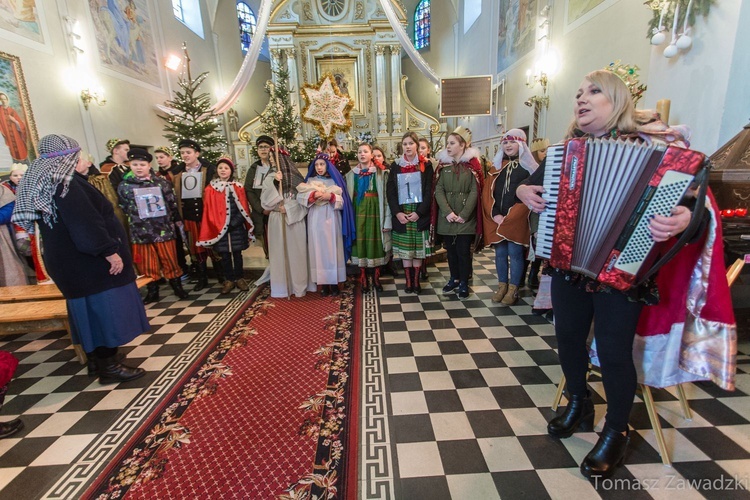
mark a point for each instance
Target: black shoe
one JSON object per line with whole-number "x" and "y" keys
{"x": 111, "y": 371}
{"x": 578, "y": 414}
{"x": 325, "y": 291}
{"x": 608, "y": 454}
{"x": 152, "y": 295}
{"x": 176, "y": 285}
{"x": 451, "y": 285}
{"x": 335, "y": 291}
{"x": 10, "y": 428}
{"x": 463, "y": 290}
{"x": 423, "y": 274}
{"x": 202, "y": 281}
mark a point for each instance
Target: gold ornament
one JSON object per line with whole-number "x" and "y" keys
{"x": 630, "y": 75}
{"x": 327, "y": 108}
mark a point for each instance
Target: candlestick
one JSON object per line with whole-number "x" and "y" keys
{"x": 662, "y": 107}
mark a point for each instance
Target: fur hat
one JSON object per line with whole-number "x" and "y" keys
{"x": 19, "y": 167}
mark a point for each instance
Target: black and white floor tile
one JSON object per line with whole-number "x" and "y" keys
{"x": 455, "y": 400}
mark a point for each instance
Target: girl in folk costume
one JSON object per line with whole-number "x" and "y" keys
{"x": 287, "y": 232}
{"x": 330, "y": 223}
{"x": 378, "y": 157}
{"x": 506, "y": 225}
{"x": 689, "y": 335}
{"x": 366, "y": 186}
{"x": 12, "y": 267}
{"x": 409, "y": 191}
{"x": 456, "y": 194}
{"x": 226, "y": 225}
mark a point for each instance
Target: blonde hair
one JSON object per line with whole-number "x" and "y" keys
{"x": 625, "y": 118}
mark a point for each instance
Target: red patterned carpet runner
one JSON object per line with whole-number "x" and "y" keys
{"x": 268, "y": 411}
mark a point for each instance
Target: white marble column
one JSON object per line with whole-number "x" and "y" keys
{"x": 275, "y": 63}
{"x": 380, "y": 83}
{"x": 396, "y": 88}
{"x": 291, "y": 66}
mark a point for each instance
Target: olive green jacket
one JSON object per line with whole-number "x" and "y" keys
{"x": 456, "y": 191}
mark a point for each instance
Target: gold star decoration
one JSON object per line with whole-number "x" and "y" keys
{"x": 327, "y": 108}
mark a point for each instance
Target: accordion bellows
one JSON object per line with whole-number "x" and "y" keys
{"x": 601, "y": 194}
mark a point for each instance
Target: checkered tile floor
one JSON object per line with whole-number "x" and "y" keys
{"x": 469, "y": 389}
{"x": 456, "y": 396}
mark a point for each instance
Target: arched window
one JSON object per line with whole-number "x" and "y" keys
{"x": 422, "y": 25}
{"x": 247, "y": 22}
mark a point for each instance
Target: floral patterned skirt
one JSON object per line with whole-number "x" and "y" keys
{"x": 411, "y": 244}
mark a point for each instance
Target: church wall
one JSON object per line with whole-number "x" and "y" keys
{"x": 129, "y": 111}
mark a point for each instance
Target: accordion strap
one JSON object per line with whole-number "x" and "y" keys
{"x": 698, "y": 210}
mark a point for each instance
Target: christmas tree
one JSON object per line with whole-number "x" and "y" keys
{"x": 279, "y": 119}
{"x": 194, "y": 119}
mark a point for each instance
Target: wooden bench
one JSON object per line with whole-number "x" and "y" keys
{"x": 38, "y": 308}
{"x": 26, "y": 293}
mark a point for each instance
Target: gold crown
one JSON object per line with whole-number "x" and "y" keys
{"x": 166, "y": 150}
{"x": 630, "y": 77}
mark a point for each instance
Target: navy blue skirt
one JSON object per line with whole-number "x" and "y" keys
{"x": 107, "y": 319}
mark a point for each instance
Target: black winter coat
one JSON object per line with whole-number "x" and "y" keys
{"x": 423, "y": 209}
{"x": 75, "y": 247}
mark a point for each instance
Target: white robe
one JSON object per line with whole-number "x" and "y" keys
{"x": 287, "y": 243}
{"x": 324, "y": 234}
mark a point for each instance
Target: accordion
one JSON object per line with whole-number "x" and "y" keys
{"x": 600, "y": 195}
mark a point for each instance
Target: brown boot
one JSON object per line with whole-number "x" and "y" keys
{"x": 502, "y": 288}
{"x": 242, "y": 285}
{"x": 511, "y": 296}
{"x": 227, "y": 287}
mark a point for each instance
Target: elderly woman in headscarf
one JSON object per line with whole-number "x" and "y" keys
{"x": 287, "y": 230}
{"x": 86, "y": 253}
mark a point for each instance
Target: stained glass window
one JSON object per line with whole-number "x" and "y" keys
{"x": 247, "y": 22}
{"x": 422, "y": 25}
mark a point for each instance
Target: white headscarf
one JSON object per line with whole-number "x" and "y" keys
{"x": 525, "y": 158}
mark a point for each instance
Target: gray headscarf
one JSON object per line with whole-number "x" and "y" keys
{"x": 58, "y": 157}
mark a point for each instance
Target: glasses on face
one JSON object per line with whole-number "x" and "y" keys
{"x": 263, "y": 147}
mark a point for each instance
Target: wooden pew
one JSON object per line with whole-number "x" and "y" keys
{"x": 38, "y": 308}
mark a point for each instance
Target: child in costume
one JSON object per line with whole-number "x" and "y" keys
{"x": 330, "y": 223}
{"x": 366, "y": 186}
{"x": 226, "y": 225}
{"x": 149, "y": 203}
{"x": 287, "y": 232}
{"x": 506, "y": 225}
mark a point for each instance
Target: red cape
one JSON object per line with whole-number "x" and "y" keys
{"x": 216, "y": 216}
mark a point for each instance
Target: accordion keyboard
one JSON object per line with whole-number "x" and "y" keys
{"x": 552, "y": 170}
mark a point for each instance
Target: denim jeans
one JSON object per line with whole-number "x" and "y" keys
{"x": 503, "y": 251}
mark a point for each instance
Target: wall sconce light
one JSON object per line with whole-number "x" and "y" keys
{"x": 87, "y": 95}
{"x": 533, "y": 79}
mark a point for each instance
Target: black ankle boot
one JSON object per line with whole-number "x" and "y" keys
{"x": 111, "y": 371}
{"x": 10, "y": 428}
{"x": 578, "y": 413}
{"x": 325, "y": 291}
{"x": 202, "y": 282}
{"x": 176, "y": 285}
{"x": 153, "y": 293}
{"x": 608, "y": 454}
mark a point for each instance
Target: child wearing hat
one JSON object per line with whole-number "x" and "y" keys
{"x": 226, "y": 226}
{"x": 116, "y": 164}
{"x": 189, "y": 186}
{"x": 151, "y": 208}
{"x": 256, "y": 174}
{"x": 506, "y": 225}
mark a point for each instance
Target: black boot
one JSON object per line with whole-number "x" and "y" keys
{"x": 578, "y": 413}
{"x": 219, "y": 270}
{"x": 176, "y": 285}
{"x": 423, "y": 273}
{"x": 202, "y": 282}
{"x": 10, "y": 428}
{"x": 111, "y": 371}
{"x": 534, "y": 273}
{"x": 153, "y": 293}
{"x": 608, "y": 454}
{"x": 325, "y": 291}
{"x": 392, "y": 267}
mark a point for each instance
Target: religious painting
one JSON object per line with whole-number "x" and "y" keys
{"x": 578, "y": 12}
{"x": 516, "y": 31}
{"x": 344, "y": 70}
{"x": 21, "y": 21}
{"x": 125, "y": 40}
{"x": 17, "y": 127}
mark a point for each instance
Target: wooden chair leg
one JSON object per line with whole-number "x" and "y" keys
{"x": 558, "y": 395}
{"x": 80, "y": 353}
{"x": 653, "y": 415}
{"x": 686, "y": 412}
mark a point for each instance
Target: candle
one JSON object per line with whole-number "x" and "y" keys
{"x": 662, "y": 107}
